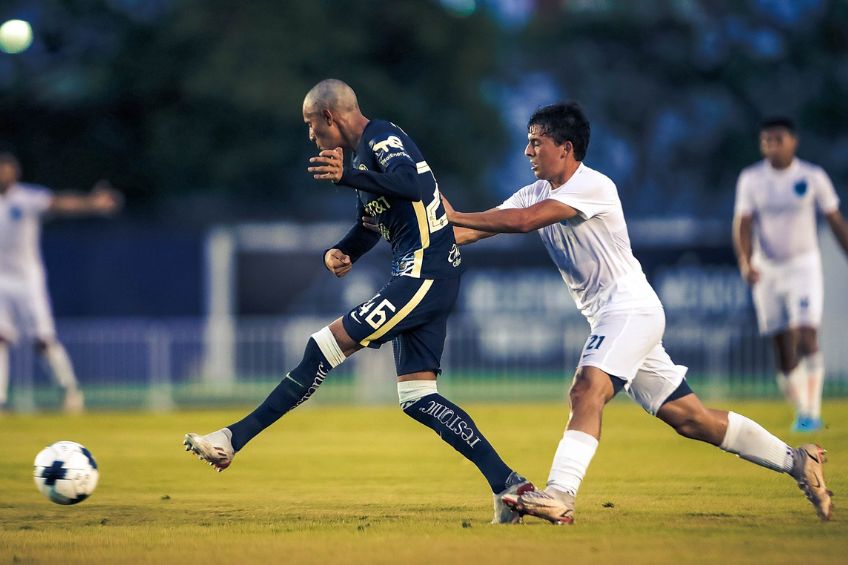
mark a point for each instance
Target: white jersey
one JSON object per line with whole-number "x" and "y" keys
{"x": 21, "y": 209}
{"x": 783, "y": 204}
{"x": 591, "y": 250}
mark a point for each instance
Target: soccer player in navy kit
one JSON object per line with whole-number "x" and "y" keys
{"x": 395, "y": 186}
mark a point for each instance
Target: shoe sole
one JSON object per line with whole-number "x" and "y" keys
{"x": 192, "y": 445}
{"x": 522, "y": 510}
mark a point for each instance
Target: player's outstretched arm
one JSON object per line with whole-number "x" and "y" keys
{"x": 743, "y": 230}
{"x": 514, "y": 220}
{"x": 839, "y": 228}
{"x": 464, "y": 236}
{"x": 103, "y": 200}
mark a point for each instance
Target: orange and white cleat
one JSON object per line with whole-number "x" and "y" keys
{"x": 808, "y": 470}
{"x": 550, "y": 504}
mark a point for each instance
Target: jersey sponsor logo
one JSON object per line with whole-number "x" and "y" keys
{"x": 320, "y": 375}
{"x": 801, "y": 187}
{"x": 450, "y": 420}
{"x": 377, "y": 206}
{"x": 388, "y": 144}
{"x": 388, "y": 149}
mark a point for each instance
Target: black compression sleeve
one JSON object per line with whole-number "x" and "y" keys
{"x": 357, "y": 242}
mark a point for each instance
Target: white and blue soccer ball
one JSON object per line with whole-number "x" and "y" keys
{"x": 65, "y": 472}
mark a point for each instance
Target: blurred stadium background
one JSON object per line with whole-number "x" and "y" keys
{"x": 204, "y": 289}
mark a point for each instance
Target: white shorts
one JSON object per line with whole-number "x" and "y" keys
{"x": 25, "y": 308}
{"x": 628, "y": 345}
{"x": 789, "y": 295}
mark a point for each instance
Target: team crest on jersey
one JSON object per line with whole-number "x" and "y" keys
{"x": 15, "y": 213}
{"x": 801, "y": 187}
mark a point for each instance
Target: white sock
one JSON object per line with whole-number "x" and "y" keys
{"x": 410, "y": 392}
{"x": 814, "y": 367}
{"x": 4, "y": 373}
{"x": 329, "y": 346}
{"x": 794, "y": 387}
{"x": 572, "y": 458}
{"x": 754, "y": 443}
{"x": 60, "y": 366}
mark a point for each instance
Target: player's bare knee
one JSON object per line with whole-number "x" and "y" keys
{"x": 807, "y": 344}
{"x": 700, "y": 426}
{"x": 341, "y": 337}
{"x": 584, "y": 396}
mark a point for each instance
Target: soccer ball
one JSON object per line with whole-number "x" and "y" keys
{"x": 65, "y": 472}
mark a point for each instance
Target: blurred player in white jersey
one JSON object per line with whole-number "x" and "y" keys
{"x": 774, "y": 235}
{"x": 24, "y": 303}
{"x": 578, "y": 215}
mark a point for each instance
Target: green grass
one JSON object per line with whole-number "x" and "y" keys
{"x": 369, "y": 485}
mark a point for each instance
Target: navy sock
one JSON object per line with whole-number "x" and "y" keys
{"x": 295, "y": 389}
{"x": 457, "y": 428}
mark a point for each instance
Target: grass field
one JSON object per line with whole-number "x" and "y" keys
{"x": 369, "y": 485}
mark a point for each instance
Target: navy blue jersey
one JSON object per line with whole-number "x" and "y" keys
{"x": 395, "y": 185}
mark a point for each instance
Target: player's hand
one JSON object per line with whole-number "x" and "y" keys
{"x": 104, "y": 199}
{"x": 448, "y": 208}
{"x": 328, "y": 165}
{"x": 370, "y": 222}
{"x": 337, "y": 262}
{"x": 750, "y": 274}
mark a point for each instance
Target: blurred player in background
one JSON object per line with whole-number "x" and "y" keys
{"x": 395, "y": 186}
{"x": 579, "y": 217}
{"x": 776, "y": 201}
{"x": 24, "y": 303}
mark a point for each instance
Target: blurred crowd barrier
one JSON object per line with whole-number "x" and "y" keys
{"x": 166, "y": 364}
{"x": 220, "y": 320}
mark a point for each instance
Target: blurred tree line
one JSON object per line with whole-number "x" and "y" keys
{"x": 193, "y": 107}
{"x": 676, "y": 89}
{"x": 201, "y": 99}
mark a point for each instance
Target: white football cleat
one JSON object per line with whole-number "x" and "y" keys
{"x": 516, "y": 485}
{"x": 215, "y": 448}
{"x": 552, "y": 505}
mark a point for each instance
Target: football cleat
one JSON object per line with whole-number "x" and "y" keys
{"x": 552, "y": 505}
{"x": 215, "y": 448}
{"x": 515, "y": 485}
{"x": 808, "y": 471}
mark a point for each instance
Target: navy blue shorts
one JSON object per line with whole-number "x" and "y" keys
{"x": 412, "y": 314}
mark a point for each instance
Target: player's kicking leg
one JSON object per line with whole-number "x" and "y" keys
{"x": 591, "y": 390}
{"x": 323, "y": 353}
{"x": 741, "y": 436}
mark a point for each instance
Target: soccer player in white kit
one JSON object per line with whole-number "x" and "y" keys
{"x": 577, "y": 213}
{"x": 776, "y": 201}
{"x": 24, "y": 303}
